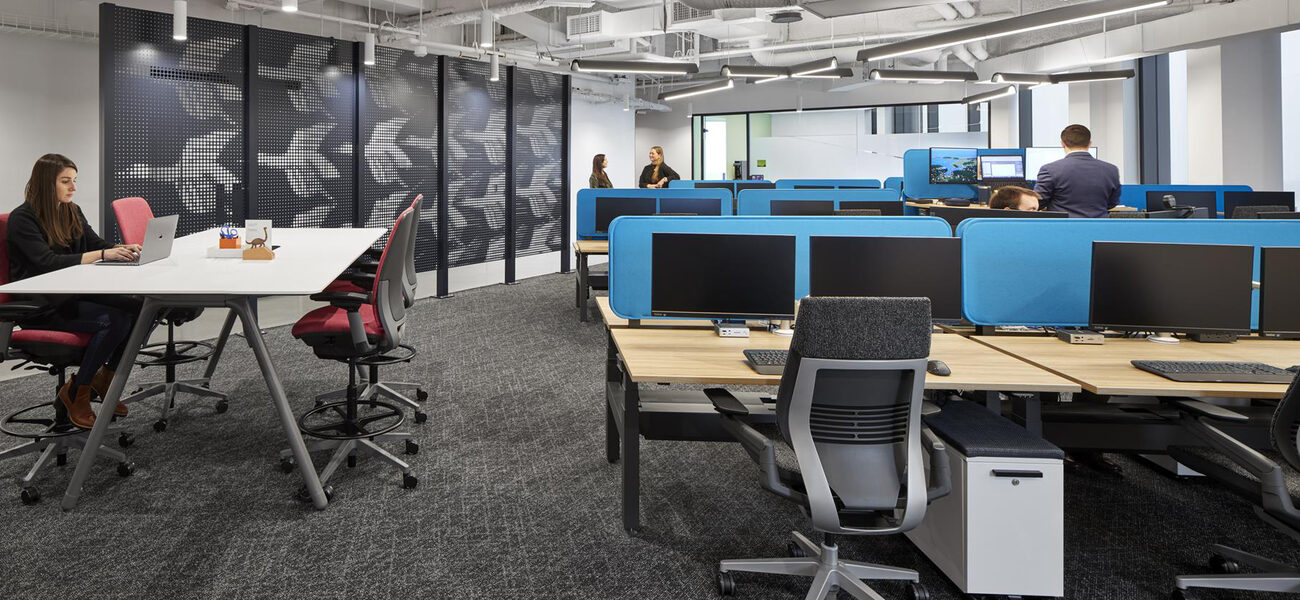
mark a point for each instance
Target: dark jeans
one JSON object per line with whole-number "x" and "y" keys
{"x": 109, "y": 318}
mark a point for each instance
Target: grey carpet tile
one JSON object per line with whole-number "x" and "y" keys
{"x": 515, "y": 498}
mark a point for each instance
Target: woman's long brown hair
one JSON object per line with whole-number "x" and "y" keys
{"x": 598, "y": 169}
{"x": 58, "y": 219}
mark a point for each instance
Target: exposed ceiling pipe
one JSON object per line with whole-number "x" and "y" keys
{"x": 725, "y": 4}
{"x": 500, "y": 10}
{"x": 964, "y": 55}
{"x": 979, "y": 49}
{"x": 636, "y": 103}
{"x": 769, "y": 58}
{"x": 926, "y": 28}
{"x": 945, "y": 10}
{"x": 964, "y": 8}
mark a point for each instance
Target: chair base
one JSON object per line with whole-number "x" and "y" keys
{"x": 169, "y": 390}
{"x": 56, "y": 449}
{"x": 823, "y": 564}
{"x": 378, "y": 390}
{"x": 348, "y": 450}
{"x": 1276, "y": 576}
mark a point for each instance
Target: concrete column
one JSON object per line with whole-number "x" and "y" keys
{"x": 1004, "y": 122}
{"x": 1204, "y": 117}
{"x": 1251, "y": 78}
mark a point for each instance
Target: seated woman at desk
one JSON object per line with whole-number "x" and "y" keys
{"x": 657, "y": 174}
{"x": 48, "y": 232}
{"x": 1014, "y": 198}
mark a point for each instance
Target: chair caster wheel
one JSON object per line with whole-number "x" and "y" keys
{"x": 125, "y": 440}
{"x": 421, "y": 395}
{"x": 304, "y": 496}
{"x": 795, "y": 550}
{"x": 320, "y": 403}
{"x": 160, "y": 425}
{"x": 61, "y": 459}
{"x": 412, "y": 447}
{"x": 125, "y": 469}
{"x": 421, "y": 417}
{"x": 409, "y": 481}
{"x": 287, "y": 465}
{"x": 222, "y": 407}
{"x": 30, "y": 495}
{"x": 352, "y": 460}
{"x": 726, "y": 584}
{"x": 1223, "y": 565}
{"x": 916, "y": 591}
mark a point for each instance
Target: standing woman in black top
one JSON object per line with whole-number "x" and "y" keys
{"x": 657, "y": 174}
{"x": 598, "y": 177}
{"x": 48, "y": 232}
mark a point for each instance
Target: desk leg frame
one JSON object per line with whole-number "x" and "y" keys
{"x": 623, "y": 434}
{"x": 584, "y": 289}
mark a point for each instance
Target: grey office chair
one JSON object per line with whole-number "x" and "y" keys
{"x": 850, "y": 439}
{"x": 1252, "y": 212}
{"x": 1272, "y": 484}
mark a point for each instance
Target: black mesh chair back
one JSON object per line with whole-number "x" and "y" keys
{"x": 1252, "y": 212}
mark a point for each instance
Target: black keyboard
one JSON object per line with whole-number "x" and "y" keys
{"x": 1221, "y": 372}
{"x": 767, "y": 362}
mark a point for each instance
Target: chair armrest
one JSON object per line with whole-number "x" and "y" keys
{"x": 11, "y": 311}
{"x": 1205, "y": 409}
{"x": 762, "y": 450}
{"x": 725, "y": 402}
{"x": 349, "y": 301}
{"x": 940, "y": 479}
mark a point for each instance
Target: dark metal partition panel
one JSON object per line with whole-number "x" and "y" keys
{"x": 304, "y": 119}
{"x": 475, "y": 121}
{"x": 172, "y": 115}
{"x": 539, "y": 125}
{"x": 399, "y": 132}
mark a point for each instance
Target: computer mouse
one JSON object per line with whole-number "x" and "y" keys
{"x": 938, "y": 367}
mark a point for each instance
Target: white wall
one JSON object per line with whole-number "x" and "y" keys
{"x": 1252, "y": 110}
{"x": 49, "y": 102}
{"x": 598, "y": 127}
{"x": 1290, "y": 58}
{"x": 1178, "y": 149}
{"x": 1051, "y": 113}
{"x": 1204, "y": 116}
{"x": 672, "y": 130}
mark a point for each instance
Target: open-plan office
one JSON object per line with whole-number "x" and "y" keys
{"x": 865, "y": 300}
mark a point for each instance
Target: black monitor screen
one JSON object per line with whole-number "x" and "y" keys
{"x": 693, "y": 206}
{"x": 1199, "y": 212}
{"x": 609, "y": 208}
{"x": 803, "y": 208}
{"x": 722, "y": 275}
{"x": 1206, "y": 200}
{"x": 717, "y": 185}
{"x": 888, "y": 208}
{"x": 953, "y": 165}
{"x": 955, "y": 215}
{"x": 1279, "y": 291}
{"x": 859, "y": 187}
{"x": 887, "y": 266}
{"x": 1231, "y": 200}
{"x": 814, "y": 187}
{"x": 756, "y": 185}
{"x": 1171, "y": 287}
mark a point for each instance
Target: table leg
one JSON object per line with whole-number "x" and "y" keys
{"x": 993, "y": 402}
{"x": 631, "y": 456}
{"x": 280, "y": 401}
{"x": 612, "y": 375}
{"x": 139, "y": 333}
{"x": 220, "y": 347}
{"x": 584, "y": 287}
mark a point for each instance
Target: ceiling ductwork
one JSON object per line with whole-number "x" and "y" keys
{"x": 725, "y": 4}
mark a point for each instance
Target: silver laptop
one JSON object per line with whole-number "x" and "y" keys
{"x": 158, "y": 237}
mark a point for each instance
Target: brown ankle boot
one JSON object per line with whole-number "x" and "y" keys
{"x": 78, "y": 406}
{"x": 100, "y": 382}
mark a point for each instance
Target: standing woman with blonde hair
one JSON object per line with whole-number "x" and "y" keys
{"x": 48, "y": 232}
{"x": 657, "y": 174}
{"x": 598, "y": 177}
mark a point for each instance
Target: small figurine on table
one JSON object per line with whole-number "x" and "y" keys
{"x": 258, "y": 245}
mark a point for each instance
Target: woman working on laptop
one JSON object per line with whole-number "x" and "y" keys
{"x": 48, "y": 232}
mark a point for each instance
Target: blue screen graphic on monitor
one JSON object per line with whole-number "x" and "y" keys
{"x": 953, "y": 165}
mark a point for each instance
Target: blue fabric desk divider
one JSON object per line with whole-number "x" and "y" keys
{"x": 586, "y": 229}
{"x": 731, "y": 183}
{"x": 1038, "y": 271}
{"x": 759, "y": 202}
{"x": 916, "y": 179}
{"x": 894, "y": 183}
{"x": 788, "y": 184}
{"x": 630, "y": 245}
{"x": 1136, "y": 195}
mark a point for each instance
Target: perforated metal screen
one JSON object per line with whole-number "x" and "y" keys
{"x": 173, "y": 118}
{"x": 304, "y": 108}
{"x": 476, "y": 162}
{"x": 399, "y": 132}
{"x": 539, "y": 166}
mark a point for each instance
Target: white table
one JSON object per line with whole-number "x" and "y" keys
{"x": 306, "y": 261}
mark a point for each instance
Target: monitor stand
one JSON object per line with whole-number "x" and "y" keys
{"x": 781, "y": 327}
{"x": 1162, "y": 337}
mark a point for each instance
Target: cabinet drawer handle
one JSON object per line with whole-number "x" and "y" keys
{"x": 1022, "y": 474}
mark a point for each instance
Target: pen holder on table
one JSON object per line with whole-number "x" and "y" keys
{"x": 229, "y": 243}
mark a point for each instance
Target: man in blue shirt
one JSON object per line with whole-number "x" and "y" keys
{"x": 1078, "y": 184}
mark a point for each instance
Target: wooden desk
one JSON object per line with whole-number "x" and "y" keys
{"x": 613, "y": 321}
{"x": 923, "y": 206}
{"x": 1105, "y": 369}
{"x": 638, "y": 356}
{"x": 582, "y": 249}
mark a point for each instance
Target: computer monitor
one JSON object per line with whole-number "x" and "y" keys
{"x": 1002, "y": 167}
{"x": 814, "y": 187}
{"x": 1279, "y": 291}
{"x": 954, "y": 215}
{"x": 887, "y": 266}
{"x": 888, "y": 208}
{"x": 696, "y": 206}
{"x": 802, "y": 208}
{"x": 953, "y": 165}
{"x": 716, "y": 185}
{"x": 1037, "y": 156}
{"x": 610, "y": 207}
{"x": 860, "y": 187}
{"x": 1231, "y": 200}
{"x": 1207, "y": 200}
{"x": 709, "y": 275}
{"x": 754, "y": 185}
{"x": 1189, "y": 288}
{"x": 1278, "y": 215}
